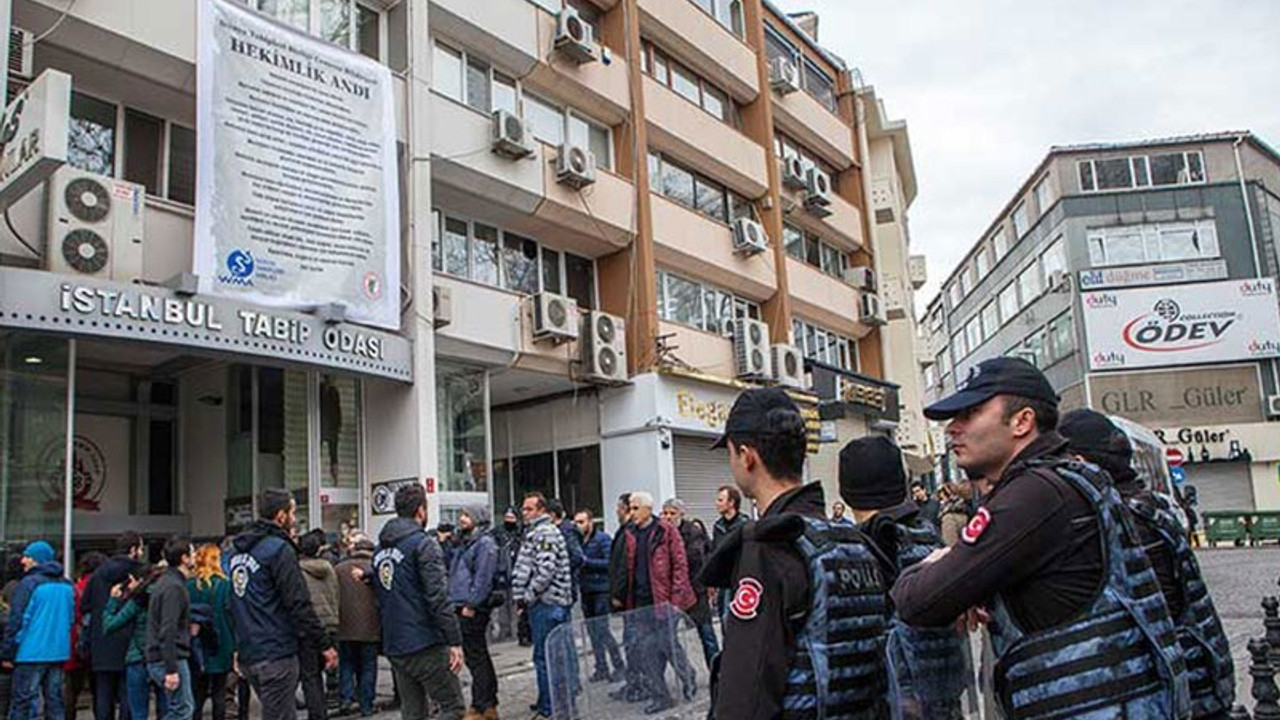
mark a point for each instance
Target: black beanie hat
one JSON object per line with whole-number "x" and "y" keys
{"x": 1093, "y": 436}
{"x": 871, "y": 474}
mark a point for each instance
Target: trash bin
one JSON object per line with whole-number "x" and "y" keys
{"x": 1225, "y": 525}
{"x": 1264, "y": 526}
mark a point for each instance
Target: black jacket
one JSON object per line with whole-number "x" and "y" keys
{"x": 169, "y": 621}
{"x": 107, "y": 650}
{"x": 270, "y": 605}
{"x": 759, "y": 640}
{"x": 696, "y": 546}
{"x": 413, "y": 590}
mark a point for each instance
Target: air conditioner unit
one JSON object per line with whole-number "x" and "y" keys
{"x": 862, "y": 278}
{"x": 604, "y": 348}
{"x": 817, "y": 193}
{"x": 511, "y": 136}
{"x": 1273, "y": 406}
{"x": 21, "y": 53}
{"x": 555, "y": 318}
{"x": 784, "y": 76}
{"x": 575, "y": 166}
{"x": 95, "y": 226}
{"x": 574, "y": 37}
{"x": 788, "y": 366}
{"x": 751, "y": 349}
{"x": 1057, "y": 280}
{"x": 793, "y": 175}
{"x": 749, "y": 237}
{"x": 870, "y": 310}
{"x": 441, "y": 306}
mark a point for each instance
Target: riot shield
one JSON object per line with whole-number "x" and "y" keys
{"x": 665, "y": 672}
{"x": 931, "y": 673}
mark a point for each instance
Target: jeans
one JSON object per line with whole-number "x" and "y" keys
{"x": 424, "y": 675}
{"x": 213, "y": 688}
{"x": 274, "y": 682}
{"x": 475, "y": 651}
{"x": 140, "y": 690}
{"x": 110, "y": 691}
{"x": 595, "y": 607}
{"x": 37, "y": 681}
{"x": 180, "y": 703}
{"x": 543, "y": 619}
{"x": 311, "y": 672}
{"x": 710, "y": 644}
{"x": 358, "y": 668}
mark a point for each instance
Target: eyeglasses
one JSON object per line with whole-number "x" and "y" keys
{"x": 633, "y": 507}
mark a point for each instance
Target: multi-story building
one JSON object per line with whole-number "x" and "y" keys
{"x": 1125, "y": 271}
{"x": 607, "y": 233}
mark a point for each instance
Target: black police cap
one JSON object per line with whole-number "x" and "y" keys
{"x": 749, "y": 416}
{"x": 997, "y": 376}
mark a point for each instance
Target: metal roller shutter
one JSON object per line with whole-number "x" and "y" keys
{"x": 699, "y": 472}
{"x": 1221, "y": 485}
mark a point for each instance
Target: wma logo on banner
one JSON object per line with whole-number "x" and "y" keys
{"x": 240, "y": 267}
{"x": 1166, "y": 329}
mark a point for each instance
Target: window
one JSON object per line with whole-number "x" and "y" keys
{"x": 990, "y": 319}
{"x": 812, "y": 250}
{"x": 958, "y": 348}
{"x": 709, "y": 197}
{"x": 687, "y": 84}
{"x": 545, "y": 120}
{"x": 504, "y": 93}
{"x": 820, "y": 85}
{"x": 973, "y": 333}
{"x": 1140, "y": 171}
{"x": 1030, "y": 285}
{"x": 1020, "y": 223}
{"x": 726, "y": 12}
{"x": 446, "y": 71}
{"x": 785, "y": 148}
{"x": 1000, "y": 243}
{"x": 813, "y": 78}
{"x": 157, "y": 154}
{"x": 1054, "y": 259}
{"x": 91, "y": 135}
{"x": 983, "y": 261}
{"x": 182, "y": 164}
{"x": 594, "y": 137}
{"x": 944, "y": 365}
{"x": 793, "y": 241}
{"x": 143, "y": 149}
{"x": 677, "y": 183}
{"x": 486, "y": 254}
{"x": 1062, "y": 337}
{"x": 1152, "y": 243}
{"x": 1008, "y": 302}
{"x": 342, "y": 22}
{"x": 963, "y": 281}
{"x": 479, "y": 95}
{"x": 696, "y": 192}
{"x": 701, "y": 306}
{"x": 955, "y": 293}
{"x": 825, "y": 346}
{"x": 1042, "y": 195}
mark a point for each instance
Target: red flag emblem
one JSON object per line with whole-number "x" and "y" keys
{"x": 977, "y": 525}
{"x": 746, "y": 599}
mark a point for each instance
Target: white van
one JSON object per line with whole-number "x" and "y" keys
{"x": 1150, "y": 462}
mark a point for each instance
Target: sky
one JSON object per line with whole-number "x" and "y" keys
{"x": 987, "y": 86}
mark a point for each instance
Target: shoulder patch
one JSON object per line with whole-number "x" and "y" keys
{"x": 746, "y": 599}
{"x": 978, "y": 524}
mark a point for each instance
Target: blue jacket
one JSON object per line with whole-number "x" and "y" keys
{"x": 471, "y": 577}
{"x": 594, "y": 576}
{"x": 572, "y": 543}
{"x": 270, "y": 605}
{"x": 410, "y": 577}
{"x": 40, "y": 617}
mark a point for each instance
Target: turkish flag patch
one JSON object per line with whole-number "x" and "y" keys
{"x": 746, "y": 599}
{"x": 977, "y": 525}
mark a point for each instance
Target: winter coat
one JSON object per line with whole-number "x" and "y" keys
{"x": 953, "y": 517}
{"x": 696, "y": 551}
{"x": 322, "y": 584}
{"x": 541, "y": 572}
{"x": 77, "y": 661}
{"x": 40, "y": 617}
{"x": 573, "y": 545}
{"x": 270, "y": 606}
{"x": 107, "y": 650}
{"x": 668, "y": 568}
{"x": 129, "y": 614}
{"x": 217, "y": 595}
{"x": 357, "y": 600}
{"x": 169, "y": 621}
{"x": 413, "y": 600}
{"x": 471, "y": 577}
{"x": 594, "y": 577}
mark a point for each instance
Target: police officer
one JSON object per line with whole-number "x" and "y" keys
{"x": 808, "y": 606}
{"x": 1205, "y": 649}
{"x": 420, "y": 633}
{"x": 271, "y": 606}
{"x": 929, "y": 665}
{"x": 1076, "y": 617}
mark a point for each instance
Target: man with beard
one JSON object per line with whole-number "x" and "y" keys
{"x": 471, "y": 586}
{"x": 107, "y": 650}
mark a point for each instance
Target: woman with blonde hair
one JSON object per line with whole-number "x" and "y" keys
{"x": 209, "y": 586}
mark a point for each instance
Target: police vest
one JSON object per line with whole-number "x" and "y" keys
{"x": 929, "y": 666}
{"x": 1205, "y": 649}
{"x": 263, "y": 625}
{"x": 407, "y": 626}
{"x": 837, "y": 671}
{"x": 1119, "y": 657}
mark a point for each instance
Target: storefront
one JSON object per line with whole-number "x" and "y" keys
{"x": 135, "y": 407}
{"x": 1231, "y": 467}
{"x": 851, "y": 406}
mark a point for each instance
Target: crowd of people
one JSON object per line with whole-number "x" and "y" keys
{"x": 1085, "y": 581}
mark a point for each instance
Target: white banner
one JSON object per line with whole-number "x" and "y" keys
{"x": 298, "y": 201}
{"x": 1181, "y": 325}
{"x": 33, "y": 135}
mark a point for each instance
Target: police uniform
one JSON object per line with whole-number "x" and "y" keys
{"x": 1078, "y": 623}
{"x": 1205, "y": 648}
{"x": 804, "y": 636}
{"x": 928, "y": 667}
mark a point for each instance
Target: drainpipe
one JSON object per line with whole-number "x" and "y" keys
{"x": 1253, "y": 242}
{"x": 860, "y": 115}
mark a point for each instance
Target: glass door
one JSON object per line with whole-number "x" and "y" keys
{"x": 336, "y": 458}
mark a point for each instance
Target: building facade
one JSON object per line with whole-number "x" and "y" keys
{"x": 616, "y": 214}
{"x": 1124, "y": 272}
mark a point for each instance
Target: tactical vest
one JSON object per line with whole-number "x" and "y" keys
{"x": 263, "y": 625}
{"x": 407, "y": 626}
{"x": 838, "y": 672}
{"x": 1205, "y": 649}
{"x": 1119, "y": 657}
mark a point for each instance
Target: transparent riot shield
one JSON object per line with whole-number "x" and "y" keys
{"x": 665, "y": 674}
{"x": 931, "y": 673}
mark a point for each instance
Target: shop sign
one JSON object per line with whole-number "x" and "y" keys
{"x": 864, "y": 394}
{"x": 1170, "y": 274}
{"x": 383, "y": 495}
{"x": 711, "y": 414}
{"x": 1215, "y": 395}
{"x": 40, "y": 300}
{"x": 1182, "y": 324}
{"x": 33, "y": 135}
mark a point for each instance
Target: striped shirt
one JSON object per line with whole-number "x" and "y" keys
{"x": 541, "y": 573}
